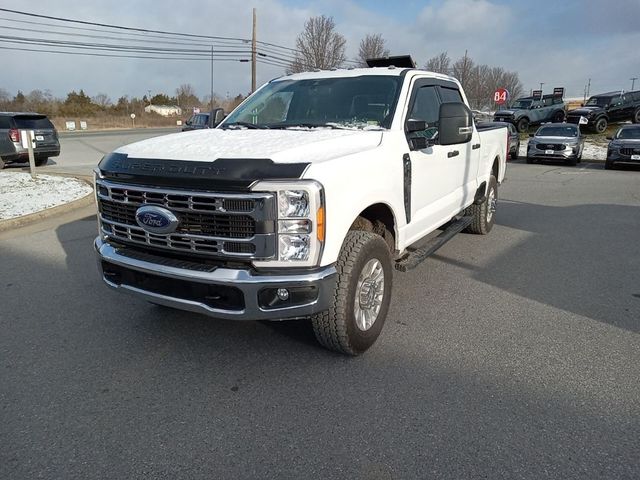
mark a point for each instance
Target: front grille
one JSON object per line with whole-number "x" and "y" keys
{"x": 219, "y": 225}
{"x": 630, "y": 151}
{"x": 549, "y": 146}
{"x": 229, "y": 225}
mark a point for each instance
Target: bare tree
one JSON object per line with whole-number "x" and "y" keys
{"x": 372, "y": 46}
{"x": 319, "y": 46}
{"x": 186, "y": 96}
{"x": 462, "y": 69}
{"x": 102, "y": 100}
{"x": 441, "y": 63}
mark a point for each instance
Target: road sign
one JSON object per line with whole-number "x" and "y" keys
{"x": 133, "y": 115}
{"x": 501, "y": 96}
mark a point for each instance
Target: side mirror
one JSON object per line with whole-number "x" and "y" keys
{"x": 582, "y": 104}
{"x": 416, "y": 125}
{"x": 456, "y": 124}
{"x": 188, "y": 122}
{"x": 215, "y": 117}
{"x": 531, "y": 135}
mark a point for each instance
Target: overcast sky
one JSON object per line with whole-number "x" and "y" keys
{"x": 558, "y": 42}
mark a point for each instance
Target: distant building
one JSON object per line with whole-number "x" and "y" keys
{"x": 164, "y": 110}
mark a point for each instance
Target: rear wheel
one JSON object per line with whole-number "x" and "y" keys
{"x": 40, "y": 161}
{"x": 516, "y": 152}
{"x": 601, "y": 125}
{"x": 484, "y": 214}
{"x": 523, "y": 125}
{"x": 558, "y": 117}
{"x": 361, "y": 298}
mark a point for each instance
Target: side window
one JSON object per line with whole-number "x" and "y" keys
{"x": 616, "y": 101}
{"x": 426, "y": 106}
{"x": 450, "y": 95}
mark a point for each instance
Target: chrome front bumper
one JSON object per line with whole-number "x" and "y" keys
{"x": 321, "y": 282}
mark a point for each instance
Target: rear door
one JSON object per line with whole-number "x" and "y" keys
{"x": 439, "y": 174}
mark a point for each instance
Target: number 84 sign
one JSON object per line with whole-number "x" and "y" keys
{"x": 501, "y": 96}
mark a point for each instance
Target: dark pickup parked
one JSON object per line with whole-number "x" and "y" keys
{"x": 11, "y": 149}
{"x": 601, "y": 110}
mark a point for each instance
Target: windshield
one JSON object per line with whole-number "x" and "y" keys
{"x": 348, "y": 102}
{"x": 630, "y": 133}
{"x": 597, "y": 102}
{"x": 566, "y": 131}
{"x": 524, "y": 104}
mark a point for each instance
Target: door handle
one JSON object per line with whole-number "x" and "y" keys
{"x": 476, "y": 146}
{"x": 453, "y": 153}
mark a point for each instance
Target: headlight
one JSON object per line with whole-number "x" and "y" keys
{"x": 300, "y": 223}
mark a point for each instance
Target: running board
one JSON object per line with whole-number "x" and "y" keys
{"x": 415, "y": 257}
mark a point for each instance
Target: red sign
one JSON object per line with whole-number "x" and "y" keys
{"x": 501, "y": 96}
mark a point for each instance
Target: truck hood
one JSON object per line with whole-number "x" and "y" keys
{"x": 555, "y": 139}
{"x": 281, "y": 146}
{"x": 585, "y": 110}
{"x": 505, "y": 112}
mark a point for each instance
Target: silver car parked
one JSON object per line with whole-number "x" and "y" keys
{"x": 556, "y": 141}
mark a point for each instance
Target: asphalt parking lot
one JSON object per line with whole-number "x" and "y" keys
{"x": 514, "y": 355}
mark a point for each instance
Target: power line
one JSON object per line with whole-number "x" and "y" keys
{"x": 119, "y": 56}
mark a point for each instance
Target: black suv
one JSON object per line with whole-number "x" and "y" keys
{"x": 46, "y": 137}
{"x": 605, "y": 108}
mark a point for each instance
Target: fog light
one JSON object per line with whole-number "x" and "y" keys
{"x": 283, "y": 294}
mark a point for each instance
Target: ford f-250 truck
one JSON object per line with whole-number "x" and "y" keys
{"x": 302, "y": 201}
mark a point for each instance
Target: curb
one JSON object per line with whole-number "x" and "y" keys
{"x": 18, "y": 222}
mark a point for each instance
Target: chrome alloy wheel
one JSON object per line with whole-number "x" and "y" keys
{"x": 491, "y": 204}
{"x": 369, "y": 294}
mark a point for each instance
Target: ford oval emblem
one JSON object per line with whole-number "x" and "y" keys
{"x": 156, "y": 219}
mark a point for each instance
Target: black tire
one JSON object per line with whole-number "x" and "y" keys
{"x": 608, "y": 165}
{"x": 484, "y": 214}
{"x": 41, "y": 161}
{"x": 337, "y": 328}
{"x": 2, "y": 164}
{"x": 523, "y": 125}
{"x": 558, "y": 117}
{"x": 516, "y": 153}
{"x": 601, "y": 125}
{"x": 529, "y": 160}
{"x": 572, "y": 162}
{"x": 636, "y": 116}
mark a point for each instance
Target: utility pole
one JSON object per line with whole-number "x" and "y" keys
{"x": 253, "y": 54}
{"x": 211, "y": 79}
{"x": 633, "y": 82}
{"x": 589, "y": 89}
{"x": 541, "y": 84}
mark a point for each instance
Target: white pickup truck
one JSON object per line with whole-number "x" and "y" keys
{"x": 302, "y": 202}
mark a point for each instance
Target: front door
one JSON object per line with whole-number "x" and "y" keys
{"x": 440, "y": 175}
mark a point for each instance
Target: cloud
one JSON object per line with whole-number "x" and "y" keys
{"x": 559, "y": 43}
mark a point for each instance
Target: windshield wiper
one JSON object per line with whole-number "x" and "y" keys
{"x": 304, "y": 125}
{"x": 249, "y": 125}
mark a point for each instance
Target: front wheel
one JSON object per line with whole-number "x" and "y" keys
{"x": 608, "y": 165}
{"x": 601, "y": 125}
{"x": 2, "y": 164}
{"x": 484, "y": 214}
{"x": 636, "y": 116}
{"x": 361, "y": 298}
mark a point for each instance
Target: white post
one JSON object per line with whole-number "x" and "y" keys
{"x": 28, "y": 139}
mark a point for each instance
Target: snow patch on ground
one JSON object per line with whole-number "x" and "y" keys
{"x": 21, "y": 195}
